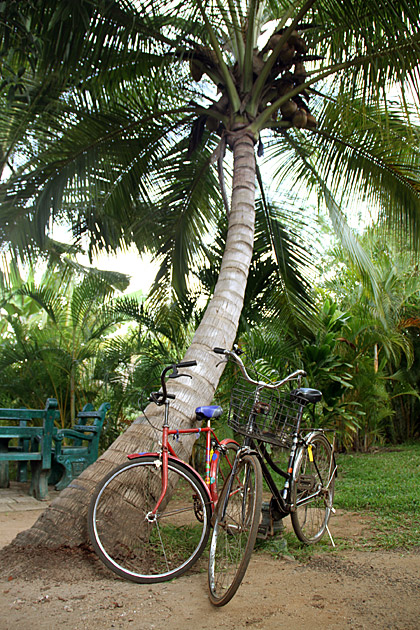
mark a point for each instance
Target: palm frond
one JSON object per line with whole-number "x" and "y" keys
{"x": 371, "y": 154}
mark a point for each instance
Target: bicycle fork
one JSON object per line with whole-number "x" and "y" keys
{"x": 162, "y": 463}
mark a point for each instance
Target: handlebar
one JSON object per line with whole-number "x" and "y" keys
{"x": 185, "y": 364}
{"x": 234, "y": 354}
{"x": 159, "y": 398}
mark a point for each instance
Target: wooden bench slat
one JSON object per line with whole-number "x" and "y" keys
{"x": 89, "y": 414}
{"x": 20, "y": 432}
{"x": 22, "y": 414}
{"x": 20, "y": 457}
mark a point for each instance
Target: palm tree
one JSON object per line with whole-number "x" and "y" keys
{"x": 115, "y": 112}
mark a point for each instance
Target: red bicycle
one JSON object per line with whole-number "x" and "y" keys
{"x": 149, "y": 519}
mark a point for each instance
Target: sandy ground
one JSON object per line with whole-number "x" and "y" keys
{"x": 73, "y": 591}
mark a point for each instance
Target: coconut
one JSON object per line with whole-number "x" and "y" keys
{"x": 301, "y": 46}
{"x": 300, "y": 72}
{"x": 286, "y": 54}
{"x": 288, "y": 109}
{"x": 300, "y": 119}
{"x": 257, "y": 63}
{"x": 284, "y": 86}
{"x": 196, "y": 70}
{"x": 212, "y": 123}
{"x": 312, "y": 122}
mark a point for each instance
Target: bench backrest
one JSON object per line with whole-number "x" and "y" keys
{"x": 41, "y": 434}
{"x": 89, "y": 422}
{"x": 30, "y": 414}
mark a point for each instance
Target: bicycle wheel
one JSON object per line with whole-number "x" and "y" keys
{"x": 149, "y": 550}
{"x": 313, "y": 489}
{"x": 235, "y": 530}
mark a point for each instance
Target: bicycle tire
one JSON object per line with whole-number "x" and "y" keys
{"x": 235, "y": 530}
{"x": 313, "y": 489}
{"x": 130, "y": 545}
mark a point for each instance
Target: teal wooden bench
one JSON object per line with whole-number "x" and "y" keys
{"x": 34, "y": 445}
{"x": 69, "y": 460}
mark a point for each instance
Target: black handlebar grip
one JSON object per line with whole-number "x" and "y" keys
{"x": 159, "y": 397}
{"x": 219, "y": 350}
{"x": 186, "y": 364}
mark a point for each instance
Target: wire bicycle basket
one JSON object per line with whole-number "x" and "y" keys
{"x": 270, "y": 416}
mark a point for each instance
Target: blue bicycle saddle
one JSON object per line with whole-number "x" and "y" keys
{"x": 210, "y": 411}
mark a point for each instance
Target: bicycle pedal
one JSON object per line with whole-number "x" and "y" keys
{"x": 263, "y": 532}
{"x": 306, "y": 483}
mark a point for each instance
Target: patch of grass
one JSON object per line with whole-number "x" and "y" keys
{"x": 386, "y": 485}
{"x": 396, "y": 531}
{"x": 385, "y": 481}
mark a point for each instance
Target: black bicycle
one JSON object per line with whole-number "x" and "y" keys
{"x": 301, "y": 485}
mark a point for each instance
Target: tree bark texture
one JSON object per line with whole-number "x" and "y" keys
{"x": 64, "y": 521}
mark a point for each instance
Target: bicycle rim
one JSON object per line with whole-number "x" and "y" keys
{"x": 235, "y": 530}
{"x": 136, "y": 548}
{"x": 313, "y": 489}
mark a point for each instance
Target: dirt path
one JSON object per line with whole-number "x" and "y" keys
{"x": 334, "y": 590}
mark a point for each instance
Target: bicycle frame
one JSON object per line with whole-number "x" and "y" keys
{"x": 167, "y": 452}
{"x": 249, "y": 444}
{"x": 284, "y": 500}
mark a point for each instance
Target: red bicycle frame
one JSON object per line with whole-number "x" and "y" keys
{"x": 212, "y": 460}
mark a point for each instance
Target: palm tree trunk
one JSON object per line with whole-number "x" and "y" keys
{"x": 64, "y": 522}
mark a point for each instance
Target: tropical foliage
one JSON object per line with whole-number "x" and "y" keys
{"x": 360, "y": 349}
{"x": 52, "y": 333}
{"x": 381, "y": 334}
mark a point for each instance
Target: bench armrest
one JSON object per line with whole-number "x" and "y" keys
{"x": 71, "y": 433}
